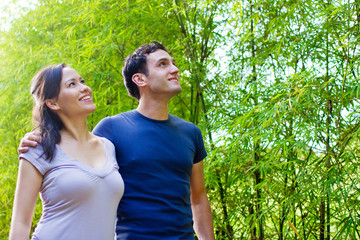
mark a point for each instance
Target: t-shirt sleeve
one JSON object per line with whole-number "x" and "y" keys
{"x": 200, "y": 153}
{"x": 104, "y": 129}
{"x": 36, "y": 157}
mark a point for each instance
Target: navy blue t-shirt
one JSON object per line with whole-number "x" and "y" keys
{"x": 155, "y": 159}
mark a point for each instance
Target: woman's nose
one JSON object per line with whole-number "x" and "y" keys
{"x": 85, "y": 88}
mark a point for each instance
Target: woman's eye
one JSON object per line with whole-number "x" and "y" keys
{"x": 71, "y": 84}
{"x": 82, "y": 81}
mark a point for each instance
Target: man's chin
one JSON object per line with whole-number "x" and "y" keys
{"x": 178, "y": 90}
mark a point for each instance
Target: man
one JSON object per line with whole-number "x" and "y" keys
{"x": 159, "y": 155}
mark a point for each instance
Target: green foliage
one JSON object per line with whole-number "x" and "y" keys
{"x": 272, "y": 84}
{"x": 289, "y": 126}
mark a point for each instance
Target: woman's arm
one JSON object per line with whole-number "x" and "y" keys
{"x": 27, "y": 188}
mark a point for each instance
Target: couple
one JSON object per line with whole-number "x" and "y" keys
{"x": 158, "y": 155}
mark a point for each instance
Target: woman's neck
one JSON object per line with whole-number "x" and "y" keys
{"x": 75, "y": 131}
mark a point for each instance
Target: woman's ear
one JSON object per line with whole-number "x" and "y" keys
{"x": 139, "y": 79}
{"x": 52, "y": 104}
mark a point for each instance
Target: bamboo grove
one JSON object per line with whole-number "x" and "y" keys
{"x": 274, "y": 86}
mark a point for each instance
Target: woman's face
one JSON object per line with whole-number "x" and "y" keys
{"x": 75, "y": 97}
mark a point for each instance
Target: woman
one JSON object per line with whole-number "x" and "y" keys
{"x": 75, "y": 171}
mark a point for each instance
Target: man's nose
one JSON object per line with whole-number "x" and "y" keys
{"x": 174, "y": 69}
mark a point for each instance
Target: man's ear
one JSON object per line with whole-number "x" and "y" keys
{"x": 139, "y": 79}
{"x": 52, "y": 104}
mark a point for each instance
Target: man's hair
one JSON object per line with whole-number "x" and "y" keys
{"x": 136, "y": 63}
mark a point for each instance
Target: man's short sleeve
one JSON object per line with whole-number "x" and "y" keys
{"x": 200, "y": 153}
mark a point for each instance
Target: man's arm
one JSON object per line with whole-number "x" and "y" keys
{"x": 203, "y": 222}
{"x": 31, "y": 139}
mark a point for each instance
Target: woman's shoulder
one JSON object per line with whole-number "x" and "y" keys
{"x": 102, "y": 140}
{"x": 37, "y": 158}
{"x": 33, "y": 152}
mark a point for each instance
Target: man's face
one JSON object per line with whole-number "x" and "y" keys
{"x": 163, "y": 75}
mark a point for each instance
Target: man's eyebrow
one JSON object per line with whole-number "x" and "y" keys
{"x": 166, "y": 59}
{"x": 163, "y": 59}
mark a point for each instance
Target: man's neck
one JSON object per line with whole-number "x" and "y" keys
{"x": 154, "y": 110}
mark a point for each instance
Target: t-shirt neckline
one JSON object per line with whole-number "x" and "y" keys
{"x": 85, "y": 166}
{"x": 151, "y": 119}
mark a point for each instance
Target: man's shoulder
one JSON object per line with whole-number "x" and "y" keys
{"x": 118, "y": 116}
{"x": 181, "y": 122}
{"x": 107, "y": 125}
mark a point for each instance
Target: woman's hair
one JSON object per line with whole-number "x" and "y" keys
{"x": 46, "y": 85}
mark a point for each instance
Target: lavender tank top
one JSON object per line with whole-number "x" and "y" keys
{"x": 79, "y": 202}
